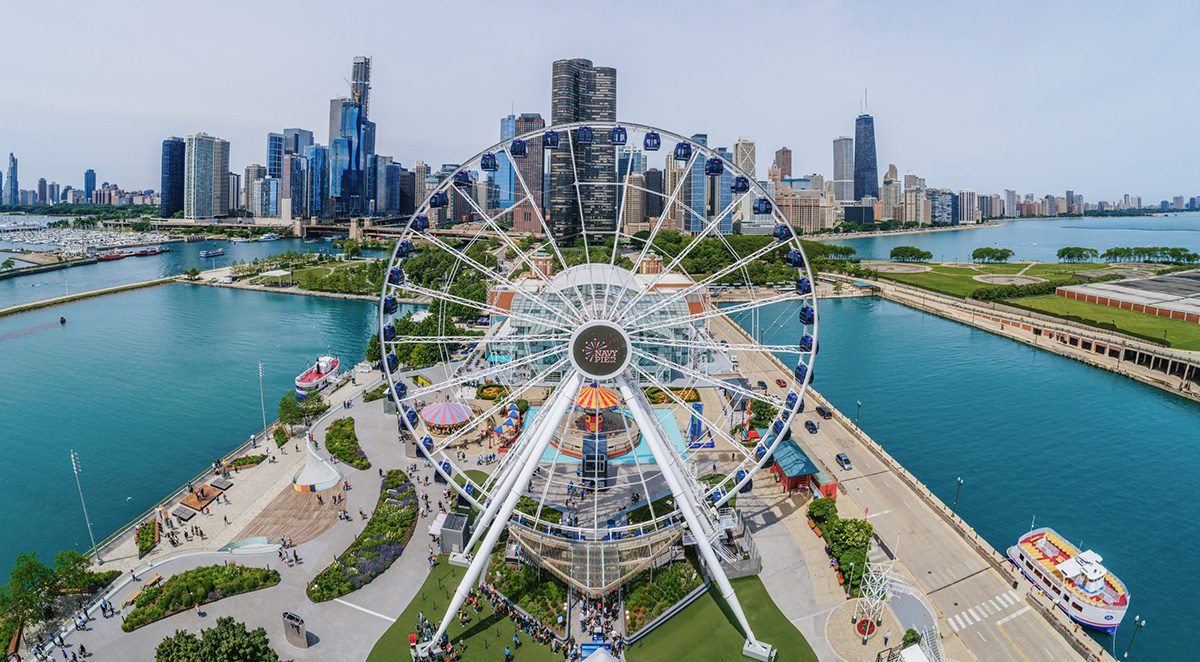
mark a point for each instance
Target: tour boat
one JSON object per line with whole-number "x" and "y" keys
{"x": 216, "y": 252}
{"x": 316, "y": 377}
{"x": 116, "y": 255}
{"x": 1076, "y": 581}
{"x": 241, "y": 240}
{"x": 146, "y": 252}
{"x": 270, "y": 236}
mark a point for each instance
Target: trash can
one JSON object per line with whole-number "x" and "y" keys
{"x": 294, "y": 631}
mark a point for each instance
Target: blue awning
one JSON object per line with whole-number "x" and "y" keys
{"x": 793, "y": 461}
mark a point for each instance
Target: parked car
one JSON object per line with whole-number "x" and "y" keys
{"x": 762, "y": 386}
{"x": 780, "y": 383}
{"x": 812, "y": 426}
{"x": 843, "y": 461}
{"x": 824, "y": 412}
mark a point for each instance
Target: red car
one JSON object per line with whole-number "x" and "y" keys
{"x": 781, "y": 383}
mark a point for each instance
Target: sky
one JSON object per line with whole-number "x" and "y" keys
{"x": 1099, "y": 97}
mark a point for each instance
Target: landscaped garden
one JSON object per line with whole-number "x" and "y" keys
{"x": 705, "y": 630}
{"x": 342, "y": 443}
{"x": 246, "y": 460}
{"x": 35, "y": 592}
{"x": 652, "y": 592}
{"x": 491, "y": 391}
{"x": 662, "y": 506}
{"x": 377, "y": 547}
{"x": 147, "y": 537}
{"x": 228, "y": 641}
{"x": 537, "y": 591}
{"x": 530, "y": 507}
{"x": 194, "y": 587}
{"x": 656, "y": 396}
{"x": 848, "y": 540}
{"x": 375, "y": 393}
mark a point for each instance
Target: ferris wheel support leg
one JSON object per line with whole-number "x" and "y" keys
{"x": 651, "y": 432}
{"x": 564, "y": 396}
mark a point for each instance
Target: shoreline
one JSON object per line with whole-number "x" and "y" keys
{"x": 891, "y": 233}
{"x": 91, "y": 294}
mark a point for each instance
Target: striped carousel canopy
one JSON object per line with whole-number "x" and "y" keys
{"x": 596, "y": 397}
{"x": 446, "y": 413}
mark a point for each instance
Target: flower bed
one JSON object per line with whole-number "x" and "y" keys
{"x": 539, "y": 593}
{"x": 377, "y": 547}
{"x": 491, "y": 391}
{"x": 147, "y": 538}
{"x": 247, "y": 460}
{"x": 652, "y": 592}
{"x": 281, "y": 436}
{"x": 656, "y": 396}
{"x": 342, "y": 443}
{"x": 194, "y": 587}
{"x": 375, "y": 394}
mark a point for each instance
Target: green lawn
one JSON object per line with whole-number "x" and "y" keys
{"x": 960, "y": 281}
{"x": 485, "y": 636}
{"x": 704, "y": 631}
{"x": 1179, "y": 334}
{"x": 1048, "y": 268}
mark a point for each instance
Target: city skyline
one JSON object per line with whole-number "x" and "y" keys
{"x": 1049, "y": 137}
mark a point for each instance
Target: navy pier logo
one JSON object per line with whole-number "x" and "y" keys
{"x": 600, "y": 350}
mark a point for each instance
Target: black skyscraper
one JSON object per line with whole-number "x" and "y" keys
{"x": 581, "y": 92}
{"x": 653, "y": 202}
{"x": 173, "y": 151}
{"x": 866, "y": 172}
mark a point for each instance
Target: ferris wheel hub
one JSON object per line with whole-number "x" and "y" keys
{"x": 600, "y": 349}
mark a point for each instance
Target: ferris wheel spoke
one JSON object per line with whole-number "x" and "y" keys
{"x": 513, "y": 396}
{"x": 696, "y": 287}
{"x": 702, "y": 345}
{"x": 587, "y": 254}
{"x": 575, "y": 314}
{"x": 478, "y": 266}
{"x": 466, "y": 340}
{"x": 712, "y": 312}
{"x": 715, "y": 427}
{"x": 484, "y": 373}
{"x": 667, "y": 363}
{"x": 675, "y": 262}
{"x": 446, "y": 297}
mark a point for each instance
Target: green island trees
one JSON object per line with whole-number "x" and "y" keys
{"x": 1077, "y": 254}
{"x": 7, "y": 264}
{"x": 342, "y": 442}
{"x": 991, "y": 255}
{"x": 294, "y": 411}
{"x": 652, "y": 592}
{"x": 1150, "y": 254}
{"x": 195, "y": 587}
{"x": 849, "y": 540}
{"x": 229, "y": 641}
{"x": 910, "y": 254}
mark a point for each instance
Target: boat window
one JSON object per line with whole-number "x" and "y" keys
{"x": 1076, "y": 606}
{"x": 1056, "y": 589}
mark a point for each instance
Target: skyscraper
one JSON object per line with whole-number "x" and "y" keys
{"x": 254, "y": 172}
{"x": 504, "y": 168}
{"x": 843, "y": 168}
{"x": 275, "y": 155}
{"x": 41, "y": 191}
{"x": 89, "y": 185}
{"x": 174, "y": 150}
{"x": 351, "y": 145}
{"x": 866, "y": 171}
{"x": 360, "y": 83}
{"x": 581, "y": 92}
{"x": 13, "y": 197}
{"x": 695, "y": 191}
{"x": 532, "y": 167}
{"x": 967, "y": 206}
{"x": 199, "y": 176}
{"x": 721, "y": 196}
{"x": 293, "y": 196}
{"x": 783, "y": 160}
{"x": 653, "y": 203}
{"x": 1010, "y": 203}
{"x": 317, "y": 185}
{"x": 744, "y": 157}
{"x": 221, "y": 192}
{"x": 295, "y": 141}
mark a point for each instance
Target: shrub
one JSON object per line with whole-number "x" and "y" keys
{"x": 147, "y": 537}
{"x": 195, "y": 587}
{"x": 491, "y": 391}
{"x": 281, "y": 436}
{"x": 247, "y": 460}
{"x": 342, "y": 443}
{"x": 229, "y": 641}
{"x": 911, "y": 637}
{"x": 377, "y": 547}
{"x": 652, "y": 592}
{"x": 823, "y": 510}
{"x": 536, "y": 591}
{"x": 375, "y": 394}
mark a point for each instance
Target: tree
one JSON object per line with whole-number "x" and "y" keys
{"x": 7, "y": 264}
{"x": 373, "y": 354}
{"x": 910, "y": 254}
{"x": 192, "y": 273}
{"x": 229, "y": 641}
{"x": 1077, "y": 254}
{"x": 72, "y": 569}
{"x": 289, "y": 410}
{"x": 911, "y": 637}
{"x": 989, "y": 254}
{"x": 30, "y": 587}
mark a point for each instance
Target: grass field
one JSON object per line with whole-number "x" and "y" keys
{"x": 1179, "y": 334}
{"x": 485, "y": 636}
{"x": 960, "y": 281}
{"x": 704, "y": 631}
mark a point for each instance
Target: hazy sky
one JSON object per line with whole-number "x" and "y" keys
{"x": 1100, "y": 97}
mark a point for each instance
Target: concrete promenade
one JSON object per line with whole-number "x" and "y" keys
{"x": 967, "y": 581}
{"x": 79, "y": 296}
{"x": 1172, "y": 370}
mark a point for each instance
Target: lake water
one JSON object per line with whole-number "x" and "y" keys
{"x": 1108, "y": 462}
{"x": 1041, "y": 239}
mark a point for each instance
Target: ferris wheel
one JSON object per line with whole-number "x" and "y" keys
{"x": 556, "y": 331}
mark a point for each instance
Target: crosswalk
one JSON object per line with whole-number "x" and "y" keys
{"x": 987, "y": 609}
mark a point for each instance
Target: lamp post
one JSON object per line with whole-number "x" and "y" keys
{"x": 850, "y": 580}
{"x": 1138, "y": 624}
{"x": 857, "y": 412}
{"x": 78, "y": 486}
{"x": 261, "y": 398}
{"x": 957, "y": 490}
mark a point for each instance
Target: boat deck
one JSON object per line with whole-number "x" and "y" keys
{"x": 1049, "y": 550}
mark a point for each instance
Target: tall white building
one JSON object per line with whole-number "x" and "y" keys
{"x": 1011, "y": 210}
{"x": 199, "y": 176}
{"x": 745, "y": 158}
{"x": 968, "y": 207}
{"x": 221, "y": 191}
{"x": 843, "y": 168}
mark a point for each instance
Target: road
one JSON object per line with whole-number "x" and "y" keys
{"x": 977, "y": 602}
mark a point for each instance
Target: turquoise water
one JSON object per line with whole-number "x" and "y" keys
{"x": 148, "y": 387}
{"x": 1107, "y": 461}
{"x": 1041, "y": 239}
{"x": 183, "y": 256}
{"x": 641, "y": 453}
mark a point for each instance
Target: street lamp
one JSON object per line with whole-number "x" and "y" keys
{"x": 261, "y": 399}
{"x": 1138, "y": 624}
{"x": 78, "y": 486}
{"x": 957, "y": 490}
{"x": 857, "y": 412}
{"x": 850, "y": 580}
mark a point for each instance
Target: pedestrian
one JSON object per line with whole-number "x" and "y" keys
{"x": 83, "y": 651}
{"x": 226, "y": 519}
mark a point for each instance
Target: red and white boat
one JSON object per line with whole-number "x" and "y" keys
{"x": 324, "y": 371}
{"x": 1076, "y": 581}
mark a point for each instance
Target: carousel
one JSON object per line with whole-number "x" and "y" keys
{"x": 446, "y": 417}
{"x": 600, "y": 425}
